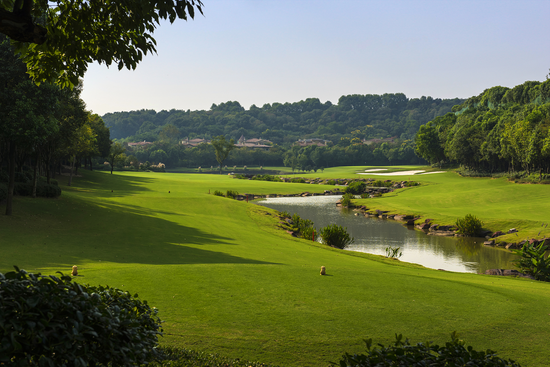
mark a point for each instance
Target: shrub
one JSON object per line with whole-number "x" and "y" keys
{"x": 22, "y": 188}
{"x": 346, "y": 200}
{"x": 267, "y": 178}
{"x": 469, "y": 225}
{"x": 231, "y": 194}
{"x": 402, "y": 353}
{"x": 335, "y": 236}
{"x": 355, "y": 188}
{"x": 47, "y": 191}
{"x": 42, "y": 189}
{"x": 304, "y": 227}
{"x": 534, "y": 261}
{"x": 52, "y": 321}
{"x": 218, "y": 193}
{"x": 298, "y": 180}
{"x": 380, "y": 183}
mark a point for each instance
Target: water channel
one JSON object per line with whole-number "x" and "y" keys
{"x": 373, "y": 235}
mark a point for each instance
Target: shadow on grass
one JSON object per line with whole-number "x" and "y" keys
{"x": 106, "y": 185}
{"x": 71, "y": 231}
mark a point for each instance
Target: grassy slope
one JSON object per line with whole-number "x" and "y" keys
{"x": 226, "y": 281}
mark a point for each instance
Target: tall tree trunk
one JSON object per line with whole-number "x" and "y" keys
{"x": 35, "y": 177}
{"x": 11, "y": 181}
{"x": 71, "y": 171}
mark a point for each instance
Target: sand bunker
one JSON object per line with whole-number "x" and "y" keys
{"x": 400, "y": 173}
{"x": 376, "y": 169}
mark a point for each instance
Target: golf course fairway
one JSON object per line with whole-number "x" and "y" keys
{"x": 227, "y": 280}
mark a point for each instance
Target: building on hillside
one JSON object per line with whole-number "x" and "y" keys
{"x": 253, "y": 143}
{"x": 308, "y": 142}
{"x": 140, "y": 144}
{"x": 385, "y": 140}
{"x": 190, "y": 143}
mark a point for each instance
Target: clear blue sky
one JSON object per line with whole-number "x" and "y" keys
{"x": 265, "y": 51}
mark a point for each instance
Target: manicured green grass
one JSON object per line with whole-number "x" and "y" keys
{"x": 500, "y": 204}
{"x": 227, "y": 281}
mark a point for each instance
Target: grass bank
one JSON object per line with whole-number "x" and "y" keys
{"x": 227, "y": 281}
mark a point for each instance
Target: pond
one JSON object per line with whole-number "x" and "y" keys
{"x": 373, "y": 235}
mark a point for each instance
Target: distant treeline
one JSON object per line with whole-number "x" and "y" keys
{"x": 367, "y": 116}
{"x": 297, "y": 158}
{"x": 500, "y": 130}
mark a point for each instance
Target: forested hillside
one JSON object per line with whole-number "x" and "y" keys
{"x": 501, "y": 129}
{"x": 366, "y": 116}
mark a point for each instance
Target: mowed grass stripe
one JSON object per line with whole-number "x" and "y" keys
{"x": 225, "y": 280}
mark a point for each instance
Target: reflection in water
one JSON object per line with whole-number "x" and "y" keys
{"x": 373, "y": 235}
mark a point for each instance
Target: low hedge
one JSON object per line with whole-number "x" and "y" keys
{"x": 53, "y": 321}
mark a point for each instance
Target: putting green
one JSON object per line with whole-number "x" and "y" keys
{"x": 226, "y": 280}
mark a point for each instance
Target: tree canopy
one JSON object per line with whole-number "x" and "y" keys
{"x": 58, "y": 39}
{"x": 502, "y": 129}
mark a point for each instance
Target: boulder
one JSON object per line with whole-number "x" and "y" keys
{"x": 424, "y": 226}
{"x": 512, "y": 230}
{"x": 489, "y": 243}
{"x": 497, "y": 233}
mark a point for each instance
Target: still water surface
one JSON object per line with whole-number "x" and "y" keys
{"x": 373, "y": 235}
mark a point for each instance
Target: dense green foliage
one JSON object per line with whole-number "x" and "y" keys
{"x": 403, "y": 354}
{"x": 304, "y": 227}
{"x": 534, "y": 261}
{"x": 345, "y": 125}
{"x": 346, "y": 199}
{"x": 335, "y": 236}
{"x": 42, "y": 126}
{"x": 58, "y": 39}
{"x": 52, "y": 321}
{"x": 355, "y": 188}
{"x": 502, "y": 129}
{"x": 469, "y": 225}
{"x": 355, "y": 116}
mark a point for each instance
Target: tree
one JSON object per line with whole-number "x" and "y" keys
{"x": 58, "y": 39}
{"x": 117, "y": 151}
{"x": 26, "y": 110}
{"x": 427, "y": 144}
{"x": 223, "y": 148}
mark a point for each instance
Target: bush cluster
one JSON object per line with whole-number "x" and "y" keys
{"x": 380, "y": 183}
{"x": 402, "y": 353}
{"x": 304, "y": 227}
{"x": 355, "y": 188}
{"x": 231, "y": 194}
{"x": 469, "y": 225}
{"x": 218, "y": 193}
{"x": 52, "y": 321}
{"x": 346, "y": 200}
{"x": 24, "y": 183}
{"x": 336, "y": 236}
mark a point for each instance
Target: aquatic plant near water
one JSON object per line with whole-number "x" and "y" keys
{"x": 393, "y": 252}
